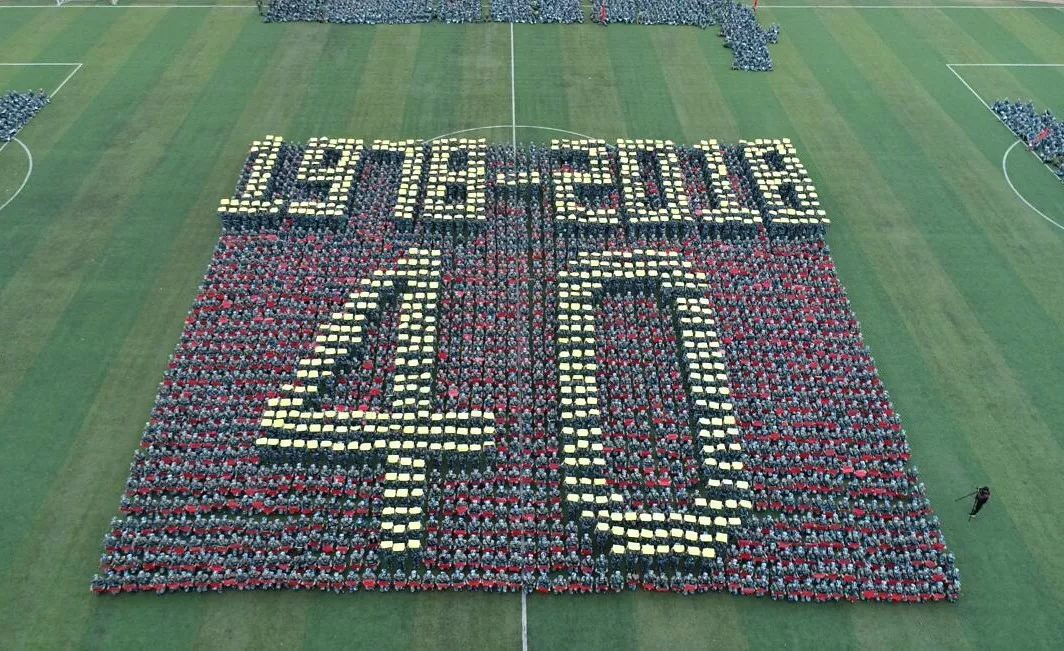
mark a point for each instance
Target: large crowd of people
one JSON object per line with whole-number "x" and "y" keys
{"x": 778, "y": 457}
{"x": 738, "y": 23}
{"x": 17, "y": 109}
{"x": 746, "y": 37}
{"x": 1042, "y": 133}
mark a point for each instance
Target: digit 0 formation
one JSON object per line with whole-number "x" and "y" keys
{"x": 575, "y": 367}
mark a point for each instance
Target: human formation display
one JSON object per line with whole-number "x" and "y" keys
{"x": 1041, "y": 132}
{"x": 17, "y": 109}
{"x": 574, "y": 367}
{"x": 537, "y": 11}
{"x": 738, "y": 24}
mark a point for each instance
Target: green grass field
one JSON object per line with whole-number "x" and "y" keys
{"x": 958, "y": 284}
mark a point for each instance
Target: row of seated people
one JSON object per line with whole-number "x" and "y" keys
{"x": 835, "y": 511}
{"x": 537, "y": 11}
{"x": 1042, "y": 132}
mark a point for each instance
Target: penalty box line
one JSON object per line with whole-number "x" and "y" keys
{"x": 72, "y": 5}
{"x": 952, "y": 68}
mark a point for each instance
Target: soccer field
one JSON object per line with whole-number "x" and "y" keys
{"x": 957, "y": 282}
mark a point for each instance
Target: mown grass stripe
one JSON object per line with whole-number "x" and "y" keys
{"x": 486, "y": 79}
{"x": 221, "y": 142}
{"x": 426, "y": 620}
{"x": 575, "y": 622}
{"x": 381, "y": 618}
{"x": 917, "y": 332}
{"x": 690, "y": 622}
{"x": 301, "y": 52}
{"x": 447, "y": 621}
{"x": 37, "y": 30}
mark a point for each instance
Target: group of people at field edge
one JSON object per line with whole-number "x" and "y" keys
{"x": 373, "y": 12}
{"x": 537, "y": 11}
{"x": 1043, "y": 133}
{"x": 17, "y": 108}
{"x": 739, "y": 28}
{"x": 834, "y": 510}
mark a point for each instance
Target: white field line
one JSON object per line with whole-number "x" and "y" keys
{"x": 1005, "y": 171}
{"x": 524, "y": 621}
{"x": 1004, "y": 158}
{"x": 513, "y": 95}
{"x": 904, "y": 4}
